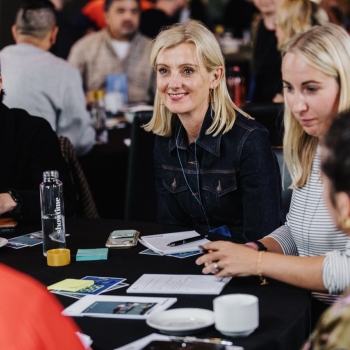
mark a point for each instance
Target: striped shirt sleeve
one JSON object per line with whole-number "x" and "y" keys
{"x": 336, "y": 270}
{"x": 284, "y": 237}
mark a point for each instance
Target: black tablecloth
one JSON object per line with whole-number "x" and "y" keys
{"x": 284, "y": 310}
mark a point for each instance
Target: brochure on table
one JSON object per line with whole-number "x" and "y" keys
{"x": 113, "y": 306}
{"x": 159, "y": 243}
{"x": 179, "y": 284}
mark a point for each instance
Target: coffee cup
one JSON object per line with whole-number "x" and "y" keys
{"x": 236, "y": 315}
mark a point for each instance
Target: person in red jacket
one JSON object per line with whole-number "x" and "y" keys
{"x": 30, "y": 317}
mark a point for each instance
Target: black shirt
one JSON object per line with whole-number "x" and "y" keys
{"x": 267, "y": 66}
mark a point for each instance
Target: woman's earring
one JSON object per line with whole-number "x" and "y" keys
{"x": 346, "y": 223}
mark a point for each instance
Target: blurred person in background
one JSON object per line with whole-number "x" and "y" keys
{"x": 338, "y": 12}
{"x": 294, "y": 17}
{"x": 266, "y": 80}
{"x": 91, "y": 18}
{"x": 297, "y": 16}
{"x": 163, "y": 14}
{"x": 117, "y": 49}
{"x": 41, "y": 83}
{"x": 238, "y": 16}
{"x": 28, "y": 147}
{"x": 67, "y": 34}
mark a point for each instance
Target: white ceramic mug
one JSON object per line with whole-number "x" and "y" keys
{"x": 236, "y": 315}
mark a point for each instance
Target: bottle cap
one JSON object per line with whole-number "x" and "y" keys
{"x": 58, "y": 257}
{"x": 50, "y": 175}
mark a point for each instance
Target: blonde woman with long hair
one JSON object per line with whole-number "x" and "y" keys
{"x": 215, "y": 169}
{"x": 308, "y": 251}
{"x": 295, "y": 17}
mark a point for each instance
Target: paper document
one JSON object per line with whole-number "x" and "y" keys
{"x": 141, "y": 343}
{"x": 179, "y": 284}
{"x": 159, "y": 243}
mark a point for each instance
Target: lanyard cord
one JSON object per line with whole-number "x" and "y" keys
{"x": 199, "y": 199}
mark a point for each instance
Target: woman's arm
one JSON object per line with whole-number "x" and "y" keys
{"x": 239, "y": 260}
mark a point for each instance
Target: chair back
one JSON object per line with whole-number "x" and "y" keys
{"x": 270, "y": 116}
{"x": 286, "y": 181}
{"x": 86, "y": 206}
{"x": 141, "y": 198}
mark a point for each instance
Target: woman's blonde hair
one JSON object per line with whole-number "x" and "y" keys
{"x": 210, "y": 56}
{"x": 297, "y": 16}
{"x": 326, "y": 48}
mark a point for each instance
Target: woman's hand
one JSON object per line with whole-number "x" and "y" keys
{"x": 6, "y": 203}
{"x": 228, "y": 259}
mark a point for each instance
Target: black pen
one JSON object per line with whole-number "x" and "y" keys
{"x": 186, "y": 240}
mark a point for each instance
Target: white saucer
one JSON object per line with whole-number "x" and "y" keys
{"x": 181, "y": 321}
{"x": 3, "y": 241}
{"x": 238, "y": 334}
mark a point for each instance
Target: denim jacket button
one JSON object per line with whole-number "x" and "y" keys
{"x": 218, "y": 189}
{"x": 173, "y": 185}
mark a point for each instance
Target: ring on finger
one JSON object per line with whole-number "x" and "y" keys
{"x": 216, "y": 267}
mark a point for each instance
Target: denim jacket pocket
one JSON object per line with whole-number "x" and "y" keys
{"x": 221, "y": 195}
{"x": 174, "y": 183}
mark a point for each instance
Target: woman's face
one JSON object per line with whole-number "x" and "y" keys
{"x": 312, "y": 96}
{"x": 183, "y": 83}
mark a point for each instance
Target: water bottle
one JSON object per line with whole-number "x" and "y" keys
{"x": 52, "y": 211}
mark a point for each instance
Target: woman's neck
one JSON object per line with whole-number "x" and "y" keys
{"x": 270, "y": 21}
{"x": 193, "y": 123}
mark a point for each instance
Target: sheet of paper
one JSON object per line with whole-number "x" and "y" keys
{"x": 179, "y": 284}
{"x": 71, "y": 285}
{"x": 159, "y": 243}
{"x": 141, "y": 343}
{"x": 115, "y": 306}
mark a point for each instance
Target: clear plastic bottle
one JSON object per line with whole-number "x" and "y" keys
{"x": 52, "y": 211}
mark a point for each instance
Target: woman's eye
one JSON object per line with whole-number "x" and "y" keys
{"x": 188, "y": 70}
{"x": 311, "y": 89}
{"x": 162, "y": 70}
{"x": 288, "y": 88}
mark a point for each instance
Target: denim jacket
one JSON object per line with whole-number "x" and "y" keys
{"x": 234, "y": 176}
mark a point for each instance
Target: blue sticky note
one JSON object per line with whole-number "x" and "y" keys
{"x": 92, "y": 254}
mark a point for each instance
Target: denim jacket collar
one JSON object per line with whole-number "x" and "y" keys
{"x": 209, "y": 142}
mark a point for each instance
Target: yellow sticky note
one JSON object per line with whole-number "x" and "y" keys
{"x": 71, "y": 285}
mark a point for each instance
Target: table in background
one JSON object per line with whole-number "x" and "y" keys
{"x": 284, "y": 310}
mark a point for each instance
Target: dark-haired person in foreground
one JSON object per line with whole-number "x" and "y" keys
{"x": 28, "y": 147}
{"x": 41, "y": 83}
{"x": 333, "y": 329}
{"x": 117, "y": 49}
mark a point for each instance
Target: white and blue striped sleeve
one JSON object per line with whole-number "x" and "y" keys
{"x": 336, "y": 270}
{"x": 285, "y": 239}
